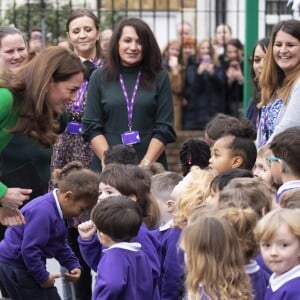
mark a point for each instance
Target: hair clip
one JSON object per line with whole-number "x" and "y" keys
{"x": 189, "y": 160}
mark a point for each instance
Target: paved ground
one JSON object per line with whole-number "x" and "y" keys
{"x": 53, "y": 268}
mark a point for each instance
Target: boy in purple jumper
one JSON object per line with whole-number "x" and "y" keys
{"x": 285, "y": 165}
{"x": 278, "y": 234}
{"x": 172, "y": 263}
{"x": 25, "y": 248}
{"x": 135, "y": 183}
{"x": 124, "y": 271}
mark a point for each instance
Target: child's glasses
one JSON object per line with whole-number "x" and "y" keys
{"x": 269, "y": 159}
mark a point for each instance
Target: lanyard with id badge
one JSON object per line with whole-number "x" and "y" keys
{"x": 74, "y": 127}
{"x": 130, "y": 137}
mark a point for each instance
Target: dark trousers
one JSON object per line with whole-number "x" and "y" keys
{"x": 20, "y": 285}
{"x": 83, "y": 286}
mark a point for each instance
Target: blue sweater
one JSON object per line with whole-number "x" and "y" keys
{"x": 124, "y": 272}
{"x": 43, "y": 236}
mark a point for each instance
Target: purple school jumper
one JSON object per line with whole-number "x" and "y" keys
{"x": 124, "y": 272}
{"x": 285, "y": 286}
{"x": 43, "y": 236}
{"x": 172, "y": 271}
{"x": 259, "y": 279}
{"x": 92, "y": 251}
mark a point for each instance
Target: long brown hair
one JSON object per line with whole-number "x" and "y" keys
{"x": 272, "y": 81}
{"x": 29, "y": 87}
{"x": 82, "y": 12}
{"x": 214, "y": 260}
{"x": 151, "y": 62}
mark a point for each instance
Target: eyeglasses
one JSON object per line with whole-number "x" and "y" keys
{"x": 269, "y": 159}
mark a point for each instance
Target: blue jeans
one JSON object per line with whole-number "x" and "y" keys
{"x": 20, "y": 285}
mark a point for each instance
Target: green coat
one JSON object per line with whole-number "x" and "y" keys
{"x": 8, "y": 118}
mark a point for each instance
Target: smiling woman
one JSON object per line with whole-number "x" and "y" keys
{"x": 13, "y": 48}
{"x": 31, "y": 101}
{"x": 280, "y": 82}
{"x": 130, "y": 99}
{"x": 83, "y": 34}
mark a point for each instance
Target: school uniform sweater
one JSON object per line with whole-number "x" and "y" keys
{"x": 124, "y": 272}
{"x": 92, "y": 252}
{"x": 172, "y": 263}
{"x": 285, "y": 286}
{"x": 44, "y": 235}
{"x": 259, "y": 279}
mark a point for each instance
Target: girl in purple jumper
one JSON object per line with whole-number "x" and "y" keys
{"x": 278, "y": 233}
{"x": 134, "y": 182}
{"x": 214, "y": 260}
{"x": 25, "y": 248}
{"x": 244, "y": 221}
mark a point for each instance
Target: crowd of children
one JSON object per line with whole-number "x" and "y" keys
{"x": 228, "y": 228}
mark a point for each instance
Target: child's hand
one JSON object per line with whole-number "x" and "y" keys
{"x": 50, "y": 281}
{"x": 73, "y": 275}
{"x": 86, "y": 230}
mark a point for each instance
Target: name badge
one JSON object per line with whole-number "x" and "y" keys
{"x": 130, "y": 137}
{"x": 74, "y": 128}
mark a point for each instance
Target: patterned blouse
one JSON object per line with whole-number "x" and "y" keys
{"x": 268, "y": 121}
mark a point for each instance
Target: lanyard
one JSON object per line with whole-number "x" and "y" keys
{"x": 130, "y": 103}
{"x": 76, "y": 107}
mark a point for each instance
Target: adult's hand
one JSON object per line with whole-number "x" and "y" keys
{"x": 14, "y": 197}
{"x": 10, "y": 217}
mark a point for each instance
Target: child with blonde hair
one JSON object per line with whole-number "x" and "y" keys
{"x": 278, "y": 234}
{"x": 214, "y": 261}
{"x": 172, "y": 266}
{"x": 190, "y": 193}
{"x": 244, "y": 222}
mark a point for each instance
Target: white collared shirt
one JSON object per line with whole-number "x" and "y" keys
{"x": 277, "y": 281}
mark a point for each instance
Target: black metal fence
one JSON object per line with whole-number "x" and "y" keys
{"x": 161, "y": 15}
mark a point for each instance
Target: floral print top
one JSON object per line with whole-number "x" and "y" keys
{"x": 268, "y": 121}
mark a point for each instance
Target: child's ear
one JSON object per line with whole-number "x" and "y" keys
{"x": 68, "y": 195}
{"x": 237, "y": 162}
{"x": 103, "y": 238}
{"x": 283, "y": 167}
{"x": 170, "y": 205}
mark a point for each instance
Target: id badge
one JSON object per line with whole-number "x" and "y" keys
{"x": 130, "y": 137}
{"x": 73, "y": 128}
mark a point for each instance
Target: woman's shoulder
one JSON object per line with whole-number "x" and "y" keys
{"x": 6, "y": 96}
{"x": 6, "y": 102}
